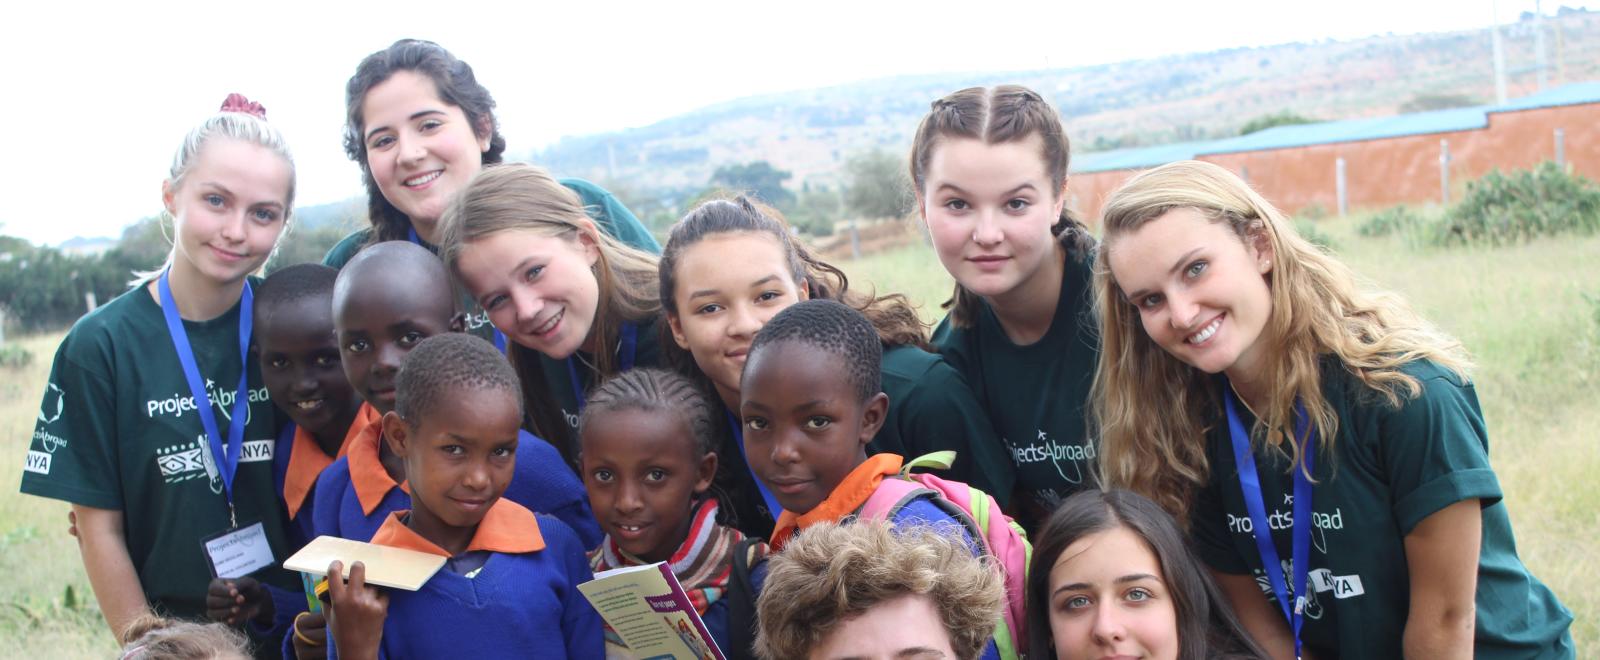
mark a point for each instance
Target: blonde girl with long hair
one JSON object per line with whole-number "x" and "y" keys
{"x": 1324, "y": 442}
{"x": 577, "y": 305}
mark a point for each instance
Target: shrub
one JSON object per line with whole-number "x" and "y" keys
{"x": 1390, "y": 221}
{"x": 15, "y": 357}
{"x": 1504, "y": 208}
{"x": 1309, "y": 231}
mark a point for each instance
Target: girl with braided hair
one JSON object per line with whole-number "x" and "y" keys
{"x": 648, "y": 461}
{"x": 990, "y": 171}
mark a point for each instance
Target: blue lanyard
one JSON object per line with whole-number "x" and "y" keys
{"x": 738, "y": 438}
{"x": 227, "y": 457}
{"x": 499, "y": 338}
{"x": 1250, "y": 483}
{"x": 630, "y": 344}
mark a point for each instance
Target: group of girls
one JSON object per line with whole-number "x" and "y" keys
{"x": 1319, "y": 445}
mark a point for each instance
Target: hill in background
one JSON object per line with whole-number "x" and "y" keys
{"x": 811, "y": 133}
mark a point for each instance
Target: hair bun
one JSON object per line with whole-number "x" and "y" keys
{"x": 238, "y": 103}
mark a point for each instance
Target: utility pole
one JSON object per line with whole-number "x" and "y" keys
{"x": 1499, "y": 55}
{"x": 1538, "y": 42}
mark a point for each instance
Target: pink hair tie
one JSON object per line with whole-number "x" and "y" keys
{"x": 238, "y": 103}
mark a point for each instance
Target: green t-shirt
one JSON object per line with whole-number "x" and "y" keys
{"x": 1389, "y": 468}
{"x": 558, "y": 378}
{"x": 118, "y": 430}
{"x": 932, "y": 409}
{"x": 1036, "y": 395}
{"x": 608, "y": 213}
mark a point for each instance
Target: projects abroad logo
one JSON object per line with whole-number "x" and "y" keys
{"x": 178, "y": 405}
{"x": 475, "y": 321}
{"x": 1067, "y": 459}
{"x": 55, "y": 403}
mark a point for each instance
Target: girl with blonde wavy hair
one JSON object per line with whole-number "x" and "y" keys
{"x": 578, "y": 305}
{"x": 1323, "y": 441}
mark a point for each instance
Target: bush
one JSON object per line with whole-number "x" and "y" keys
{"x": 1504, "y": 208}
{"x": 1312, "y": 211}
{"x": 15, "y": 357}
{"x": 1390, "y": 221}
{"x": 1309, "y": 231}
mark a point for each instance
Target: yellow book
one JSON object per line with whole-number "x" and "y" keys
{"x": 396, "y": 568}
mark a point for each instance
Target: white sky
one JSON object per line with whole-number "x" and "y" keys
{"x": 96, "y": 98}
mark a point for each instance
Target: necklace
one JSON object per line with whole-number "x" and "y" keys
{"x": 1274, "y": 436}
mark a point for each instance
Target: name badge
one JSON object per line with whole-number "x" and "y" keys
{"x": 238, "y": 552}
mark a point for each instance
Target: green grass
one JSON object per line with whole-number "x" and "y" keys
{"x": 1529, "y": 314}
{"x": 39, "y": 562}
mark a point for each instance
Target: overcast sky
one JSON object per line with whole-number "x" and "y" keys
{"x": 98, "y": 97}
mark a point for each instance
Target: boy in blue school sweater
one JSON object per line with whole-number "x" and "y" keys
{"x": 810, "y": 401}
{"x": 386, "y": 300}
{"x": 509, "y": 586}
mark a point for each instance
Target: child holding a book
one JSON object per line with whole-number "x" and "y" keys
{"x": 388, "y": 299}
{"x": 298, "y": 355}
{"x": 509, "y": 585}
{"x": 648, "y": 462}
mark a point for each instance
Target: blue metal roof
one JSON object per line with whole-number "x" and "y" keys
{"x": 1349, "y": 130}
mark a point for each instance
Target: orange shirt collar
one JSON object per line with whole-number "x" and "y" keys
{"x": 306, "y": 460}
{"x": 507, "y": 528}
{"x": 367, "y": 475}
{"x": 848, "y": 496}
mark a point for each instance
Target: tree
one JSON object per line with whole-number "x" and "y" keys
{"x": 759, "y": 178}
{"x": 1283, "y": 118}
{"x": 816, "y": 211}
{"x": 876, "y": 185}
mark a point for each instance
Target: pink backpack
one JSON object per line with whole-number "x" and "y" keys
{"x": 1002, "y": 538}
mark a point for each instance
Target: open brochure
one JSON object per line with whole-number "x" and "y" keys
{"x": 649, "y": 610}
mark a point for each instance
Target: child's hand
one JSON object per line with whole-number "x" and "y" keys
{"x": 72, "y": 525}
{"x": 310, "y": 636}
{"x": 236, "y": 601}
{"x": 357, "y": 612}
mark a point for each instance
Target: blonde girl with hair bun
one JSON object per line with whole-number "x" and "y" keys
{"x": 1322, "y": 440}
{"x": 156, "y": 426}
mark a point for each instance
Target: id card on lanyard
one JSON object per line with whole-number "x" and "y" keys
{"x": 237, "y": 551}
{"x": 499, "y": 337}
{"x": 1300, "y": 532}
{"x": 625, "y": 357}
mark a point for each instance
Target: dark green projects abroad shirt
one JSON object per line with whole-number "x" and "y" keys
{"x": 118, "y": 430}
{"x": 1389, "y": 468}
{"x": 931, "y": 409}
{"x": 1036, "y": 395}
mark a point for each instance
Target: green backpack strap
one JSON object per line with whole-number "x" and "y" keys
{"x": 939, "y": 460}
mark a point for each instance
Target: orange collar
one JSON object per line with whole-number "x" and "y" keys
{"x": 306, "y": 460}
{"x": 848, "y": 496}
{"x": 507, "y": 527}
{"x": 367, "y": 475}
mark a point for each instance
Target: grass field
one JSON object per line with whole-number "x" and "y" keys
{"x": 1530, "y": 314}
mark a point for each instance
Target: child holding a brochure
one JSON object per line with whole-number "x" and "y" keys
{"x": 509, "y": 585}
{"x": 647, "y": 463}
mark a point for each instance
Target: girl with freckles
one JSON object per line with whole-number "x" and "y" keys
{"x": 1323, "y": 441}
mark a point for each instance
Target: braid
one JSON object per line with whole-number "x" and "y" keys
{"x": 657, "y": 390}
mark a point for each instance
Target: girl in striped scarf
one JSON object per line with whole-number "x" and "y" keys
{"x": 648, "y": 462}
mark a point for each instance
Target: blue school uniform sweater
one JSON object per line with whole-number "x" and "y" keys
{"x": 354, "y": 495}
{"x": 518, "y": 605}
